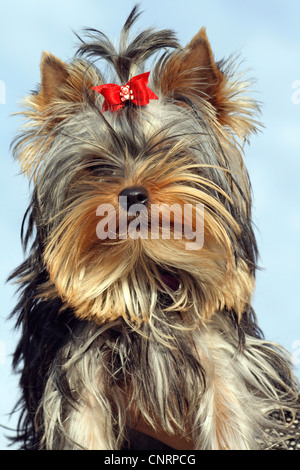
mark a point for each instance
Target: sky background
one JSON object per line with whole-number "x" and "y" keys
{"x": 266, "y": 33}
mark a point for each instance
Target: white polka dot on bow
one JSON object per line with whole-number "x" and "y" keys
{"x": 126, "y": 94}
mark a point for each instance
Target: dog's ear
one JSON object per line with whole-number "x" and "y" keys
{"x": 54, "y": 77}
{"x": 191, "y": 75}
{"x": 62, "y": 83}
{"x": 193, "y": 71}
{"x": 64, "y": 88}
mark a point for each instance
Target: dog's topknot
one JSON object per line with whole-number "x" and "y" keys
{"x": 131, "y": 55}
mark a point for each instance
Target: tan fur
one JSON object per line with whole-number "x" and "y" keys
{"x": 193, "y": 72}
{"x": 161, "y": 338}
{"x": 190, "y": 71}
{"x": 61, "y": 96}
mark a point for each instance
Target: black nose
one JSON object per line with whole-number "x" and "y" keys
{"x": 134, "y": 195}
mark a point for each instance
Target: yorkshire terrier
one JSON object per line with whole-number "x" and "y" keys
{"x": 135, "y": 303}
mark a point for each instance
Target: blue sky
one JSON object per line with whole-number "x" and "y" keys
{"x": 266, "y": 34}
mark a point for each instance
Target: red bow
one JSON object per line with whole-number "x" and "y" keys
{"x": 136, "y": 90}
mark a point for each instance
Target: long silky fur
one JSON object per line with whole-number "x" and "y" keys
{"x": 226, "y": 395}
{"x": 105, "y": 341}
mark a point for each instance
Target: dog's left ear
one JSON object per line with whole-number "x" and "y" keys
{"x": 192, "y": 75}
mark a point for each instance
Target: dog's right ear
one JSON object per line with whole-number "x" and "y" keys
{"x": 54, "y": 77}
{"x": 62, "y": 83}
{"x": 64, "y": 88}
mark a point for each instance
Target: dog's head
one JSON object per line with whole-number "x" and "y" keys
{"x": 143, "y": 211}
